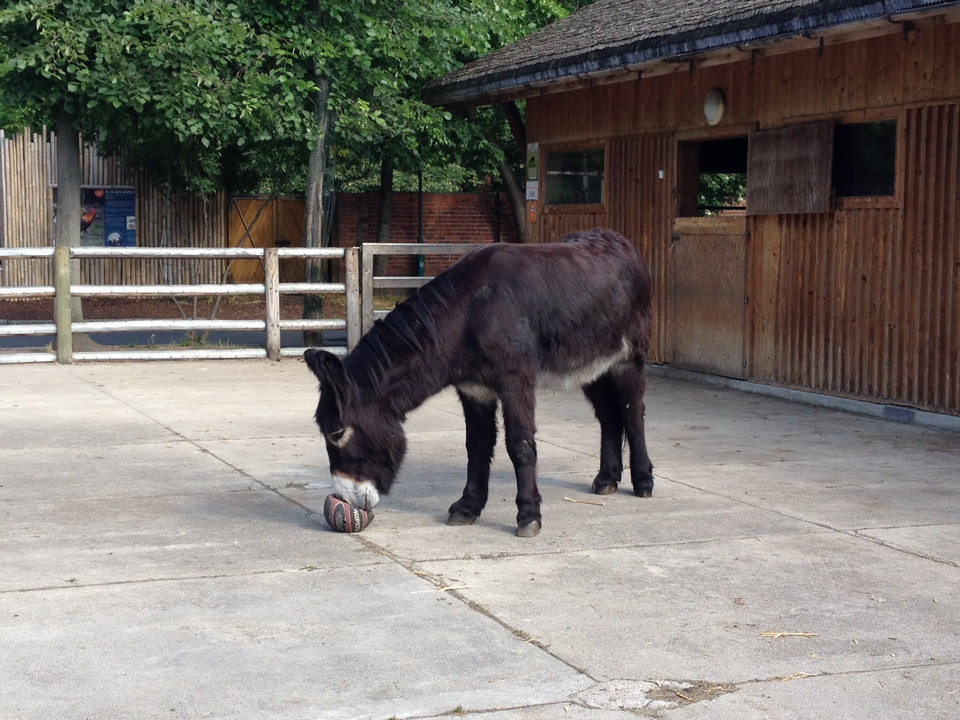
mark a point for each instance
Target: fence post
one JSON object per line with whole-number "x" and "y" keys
{"x": 271, "y": 280}
{"x": 366, "y": 289}
{"x": 63, "y": 311}
{"x": 351, "y": 258}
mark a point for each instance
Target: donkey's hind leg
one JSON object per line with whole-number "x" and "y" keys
{"x": 603, "y": 395}
{"x": 481, "y": 423}
{"x": 632, "y": 384}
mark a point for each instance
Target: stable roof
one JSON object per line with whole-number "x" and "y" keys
{"x": 612, "y": 37}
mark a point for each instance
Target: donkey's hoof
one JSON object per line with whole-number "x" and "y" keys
{"x": 531, "y": 529}
{"x": 643, "y": 492}
{"x": 457, "y": 518}
{"x": 604, "y": 488}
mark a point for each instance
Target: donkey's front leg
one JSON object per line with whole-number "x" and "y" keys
{"x": 519, "y": 430}
{"x": 481, "y": 424}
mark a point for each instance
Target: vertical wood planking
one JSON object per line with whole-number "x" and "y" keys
{"x": 29, "y": 162}
{"x": 640, "y": 206}
{"x": 951, "y": 287}
{"x": 930, "y": 217}
{"x": 863, "y": 300}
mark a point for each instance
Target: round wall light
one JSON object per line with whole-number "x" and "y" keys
{"x": 713, "y": 106}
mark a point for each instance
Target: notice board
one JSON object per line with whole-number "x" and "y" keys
{"x": 108, "y": 217}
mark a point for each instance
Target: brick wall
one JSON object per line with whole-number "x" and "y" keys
{"x": 447, "y": 218}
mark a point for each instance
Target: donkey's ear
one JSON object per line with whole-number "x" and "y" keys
{"x": 329, "y": 371}
{"x": 314, "y": 360}
{"x": 325, "y": 365}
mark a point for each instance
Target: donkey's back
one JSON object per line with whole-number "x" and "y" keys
{"x": 570, "y": 310}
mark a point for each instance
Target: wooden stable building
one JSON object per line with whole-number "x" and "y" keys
{"x": 839, "y": 271}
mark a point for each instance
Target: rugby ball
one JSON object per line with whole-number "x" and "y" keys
{"x": 344, "y": 517}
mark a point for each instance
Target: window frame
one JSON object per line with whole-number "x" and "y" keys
{"x": 581, "y": 146}
{"x": 859, "y": 202}
{"x": 688, "y": 169}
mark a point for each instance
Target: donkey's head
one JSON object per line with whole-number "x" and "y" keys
{"x": 365, "y": 446}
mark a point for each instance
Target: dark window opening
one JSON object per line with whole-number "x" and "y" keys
{"x": 865, "y": 159}
{"x": 713, "y": 177}
{"x": 575, "y": 178}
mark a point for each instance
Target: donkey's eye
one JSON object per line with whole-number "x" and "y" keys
{"x": 339, "y": 438}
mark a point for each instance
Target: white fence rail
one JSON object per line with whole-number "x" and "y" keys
{"x": 371, "y": 282}
{"x": 271, "y": 289}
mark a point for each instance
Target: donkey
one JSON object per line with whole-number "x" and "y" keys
{"x": 577, "y": 312}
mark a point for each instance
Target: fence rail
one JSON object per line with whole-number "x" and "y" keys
{"x": 371, "y": 282}
{"x": 64, "y": 290}
{"x": 358, "y": 288}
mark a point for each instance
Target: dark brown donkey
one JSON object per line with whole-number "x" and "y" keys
{"x": 577, "y": 312}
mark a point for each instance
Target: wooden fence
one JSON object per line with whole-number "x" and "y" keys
{"x": 28, "y": 177}
{"x": 370, "y": 283}
{"x": 64, "y": 290}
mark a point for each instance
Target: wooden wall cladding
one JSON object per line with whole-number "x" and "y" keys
{"x": 861, "y": 299}
{"x": 929, "y": 276}
{"x": 640, "y": 205}
{"x": 867, "y": 301}
{"x": 861, "y": 76}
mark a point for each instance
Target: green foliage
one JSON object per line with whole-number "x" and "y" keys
{"x": 174, "y": 84}
{"x": 211, "y": 94}
{"x": 717, "y": 191}
{"x": 379, "y": 55}
{"x": 398, "y": 47}
{"x": 14, "y": 119}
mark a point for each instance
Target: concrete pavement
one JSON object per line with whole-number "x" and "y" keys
{"x": 162, "y": 555}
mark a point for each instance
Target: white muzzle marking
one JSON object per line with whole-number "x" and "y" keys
{"x": 359, "y": 493}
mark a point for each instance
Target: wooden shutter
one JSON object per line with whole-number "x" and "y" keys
{"x": 789, "y": 170}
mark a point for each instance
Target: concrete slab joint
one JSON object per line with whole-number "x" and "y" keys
{"x": 163, "y": 555}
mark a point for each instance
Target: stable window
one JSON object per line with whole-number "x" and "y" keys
{"x": 575, "y": 177}
{"x": 865, "y": 159}
{"x": 713, "y": 177}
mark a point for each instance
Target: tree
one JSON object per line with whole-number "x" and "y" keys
{"x": 173, "y": 85}
{"x": 14, "y": 119}
{"x": 213, "y": 94}
{"x": 384, "y": 130}
{"x": 374, "y": 58}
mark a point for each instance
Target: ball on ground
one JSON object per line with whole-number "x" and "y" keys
{"x": 344, "y": 517}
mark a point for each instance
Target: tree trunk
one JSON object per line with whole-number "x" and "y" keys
{"x": 313, "y": 213}
{"x": 385, "y": 210}
{"x": 66, "y": 230}
{"x": 517, "y": 199}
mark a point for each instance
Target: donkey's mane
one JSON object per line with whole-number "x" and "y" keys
{"x": 404, "y": 342}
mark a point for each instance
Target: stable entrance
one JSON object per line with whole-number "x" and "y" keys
{"x": 708, "y": 258}
{"x": 708, "y": 286}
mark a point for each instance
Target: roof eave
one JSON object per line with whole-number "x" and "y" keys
{"x": 676, "y": 50}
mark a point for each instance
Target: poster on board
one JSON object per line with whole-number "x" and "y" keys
{"x": 108, "y": 217}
